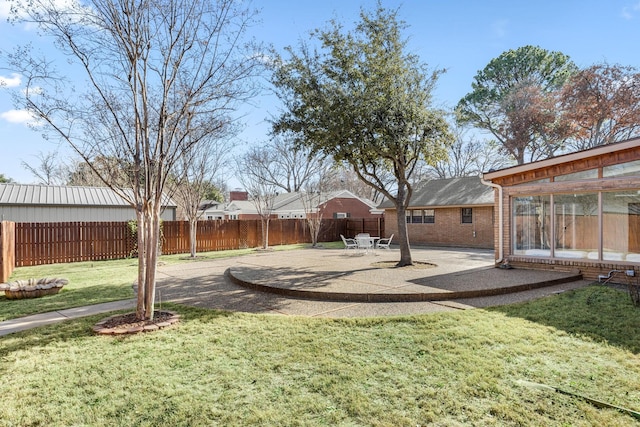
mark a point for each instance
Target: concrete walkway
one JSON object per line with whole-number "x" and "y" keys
{"x": 43, "y": 319}
{"x": 458, "y": 279}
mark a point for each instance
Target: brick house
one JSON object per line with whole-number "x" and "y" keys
{"x": 337, "y": 204}
{"x": 447, "y": 212}
{"x": 578, "y": 211}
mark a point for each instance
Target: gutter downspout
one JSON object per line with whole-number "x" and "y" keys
{"x": 500, "y": 218}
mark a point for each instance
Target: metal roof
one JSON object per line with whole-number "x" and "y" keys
{"x": 54, "y": 195}
{"x": 461, "y": 191}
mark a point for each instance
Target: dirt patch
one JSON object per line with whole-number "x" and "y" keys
{"x": 417, "y": 265}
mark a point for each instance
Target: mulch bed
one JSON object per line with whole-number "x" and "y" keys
{"x": 121, "y": 324}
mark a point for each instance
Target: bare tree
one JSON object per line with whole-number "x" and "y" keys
{"x": 194, "y": 173}
{"x": 342, "y": 177}
{"x": 314, "y": 202}
{"x": 161, "y": 75}
{"x": 285, "y": 165}
{"x": 47, "y": 169}
{"x": 314, "y": 207}
{"x": 262, "y": 195}
{"x": 468, "y": 156}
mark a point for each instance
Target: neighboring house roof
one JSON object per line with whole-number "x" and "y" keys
{"x": 461, "y": 191}
{"x": 210, "y": 204}
{"x": 244, "y": 206}
{"x": 291, "y": 202}
{"x": 56, "y": 195}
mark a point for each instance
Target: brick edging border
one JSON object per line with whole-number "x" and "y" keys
{"x": 399, "y": 297}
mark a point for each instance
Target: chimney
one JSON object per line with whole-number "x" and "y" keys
{"x": 238, "y": 195}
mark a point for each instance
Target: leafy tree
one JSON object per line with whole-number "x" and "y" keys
{"x": 363, "y": 100}
{"x": 94, "y": 173}
{"x": 160, "y": 76}
{"x": 515, "y": 98}
{"x": 5, "y": 179}
{"x": 603, "y": 102}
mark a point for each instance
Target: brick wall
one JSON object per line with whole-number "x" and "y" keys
{"x": 590, "y": 270}
{"x": 354, "y": 207}
{"x": 448, "y": 229}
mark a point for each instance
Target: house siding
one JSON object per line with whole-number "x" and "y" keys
{"x": 448, "y": 229}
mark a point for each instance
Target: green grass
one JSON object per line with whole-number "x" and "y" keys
{"x": 216, "y": 368}
{"x": 98, "y": 281}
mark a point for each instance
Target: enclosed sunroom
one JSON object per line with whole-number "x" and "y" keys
{"x": 579, "y": 211}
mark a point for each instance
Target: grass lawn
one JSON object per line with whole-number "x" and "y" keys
{"x": 445, "y": 369}
{"x": 98, "y": 281}
{"x": 448, "y": 369}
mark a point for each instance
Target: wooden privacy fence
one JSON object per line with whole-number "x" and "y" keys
{"x": 26, "y": 244}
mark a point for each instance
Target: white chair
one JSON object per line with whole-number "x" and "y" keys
{"x": 349, "y": 243}
{"x": 384, "y": 243}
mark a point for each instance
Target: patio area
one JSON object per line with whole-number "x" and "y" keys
{"x": 339, "y": 283}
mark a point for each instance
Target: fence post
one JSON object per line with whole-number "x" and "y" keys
{"x": 7, "y": 249}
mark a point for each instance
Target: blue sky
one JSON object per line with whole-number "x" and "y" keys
{"x": 461, "y": 36}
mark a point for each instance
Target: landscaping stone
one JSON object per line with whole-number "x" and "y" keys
{"x": 32, "y": 288}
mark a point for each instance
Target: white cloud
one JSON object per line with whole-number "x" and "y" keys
{"x": 60, "y": 5}
{"x": 18, "y": 116}
{"x": 12, "y": 81}
{"x": 629, "y": 12}
{"x": 5, "y": 8}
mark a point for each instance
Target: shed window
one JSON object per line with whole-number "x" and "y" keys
{"x": 467, "y": 215}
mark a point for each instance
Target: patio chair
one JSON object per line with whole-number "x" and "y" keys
{"x": 384, "y": 243}
{"x": 349, "y": 243}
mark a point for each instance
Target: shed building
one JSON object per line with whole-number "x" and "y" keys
{"x": 49, "y": 203}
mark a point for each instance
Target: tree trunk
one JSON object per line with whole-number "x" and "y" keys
{"x": 153, "y": 233}
{"x": 403, "y": 234}
{"x": 265, "y": 233}
{"x": 141, "y": 263}
{"x": 405, "y": 249}
{"x": 148, "y": 241}
{"x": 193, "y": 230}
